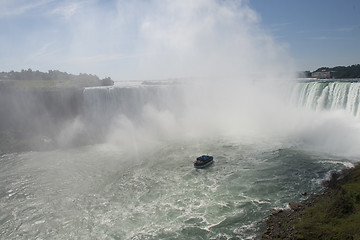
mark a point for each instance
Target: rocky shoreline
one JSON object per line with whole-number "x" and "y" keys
{"x": 327, "y": 215}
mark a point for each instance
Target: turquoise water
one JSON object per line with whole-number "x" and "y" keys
{"x": 140, "y": 183}
{"x": 106, "y": 192}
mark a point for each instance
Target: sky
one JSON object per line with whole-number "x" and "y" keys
{"x": 151, "y": 39}
{"x": 319, "y": 32}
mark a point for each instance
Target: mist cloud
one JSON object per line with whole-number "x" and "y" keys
{"x": 146, "y": 39}
{"x": 162, "y": 39}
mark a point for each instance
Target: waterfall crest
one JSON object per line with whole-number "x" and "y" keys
{"x": 328, "y": 96}
{"x": 104, "y": 106}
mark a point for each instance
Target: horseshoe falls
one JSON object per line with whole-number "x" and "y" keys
{"x": 328, "y": 96}
{"x": 134, "y": 179}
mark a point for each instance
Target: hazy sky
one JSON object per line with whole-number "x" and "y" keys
{"x": 147, "y": 39}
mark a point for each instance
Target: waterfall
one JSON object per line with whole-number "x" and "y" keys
{"x": 328, "y": 96}
{"x": 104, "y": 105}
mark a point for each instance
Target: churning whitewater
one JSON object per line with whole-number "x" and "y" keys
{"x": 124, "y": 166}
{"x": 139, "y": 182}
{"x": 101, "y": 192}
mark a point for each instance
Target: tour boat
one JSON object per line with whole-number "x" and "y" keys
{"x": 203, "y": 161}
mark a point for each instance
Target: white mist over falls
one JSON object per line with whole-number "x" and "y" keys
{"x": 272, "y": 137}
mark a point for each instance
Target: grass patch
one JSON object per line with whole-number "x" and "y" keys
{"x": 334, "y": 215}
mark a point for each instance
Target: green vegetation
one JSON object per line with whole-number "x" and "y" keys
{"x": 339, "y": 72}
{"x": 29, "y": 79}
{"x": 335, "y": 214}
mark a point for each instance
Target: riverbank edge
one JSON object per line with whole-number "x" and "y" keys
{"x": 289, "y": 223}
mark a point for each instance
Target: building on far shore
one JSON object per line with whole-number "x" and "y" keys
{"x": 324, "y": 74}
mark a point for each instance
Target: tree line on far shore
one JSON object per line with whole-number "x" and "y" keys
{"x": 53, "y": 75}
{"x": 338, "y": 72}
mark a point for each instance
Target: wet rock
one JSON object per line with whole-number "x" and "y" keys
{"x": 277, "y": 212}
{"x": 295, "y": 206}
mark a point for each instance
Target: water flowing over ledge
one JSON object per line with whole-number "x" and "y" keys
{"x": 328, "y": 95}
{"x": 139, "y": 183}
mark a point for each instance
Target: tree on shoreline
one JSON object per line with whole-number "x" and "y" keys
{"x": 338, "y": 72}
{"x": 50, "y": 75}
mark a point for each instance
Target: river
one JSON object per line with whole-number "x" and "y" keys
{"x": 138, "y": 186}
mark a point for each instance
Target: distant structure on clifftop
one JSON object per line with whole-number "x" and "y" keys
{"x": 339, "y": 72}
{"x": 323, "y": 74}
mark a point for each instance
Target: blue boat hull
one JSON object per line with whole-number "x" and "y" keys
{"x": 205, "y": 165}
{"x": 203, "y": 161}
